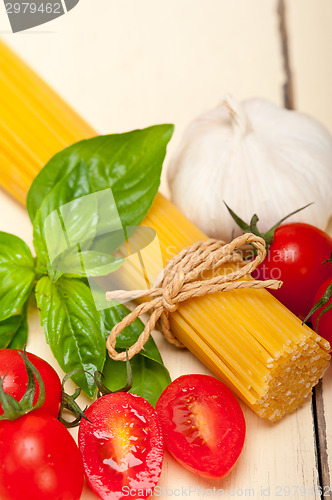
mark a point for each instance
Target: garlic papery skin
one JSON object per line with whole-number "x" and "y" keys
{"x": 258, "y": 158}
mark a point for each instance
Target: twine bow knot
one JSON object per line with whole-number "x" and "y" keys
{"x": 183, "y": 278}
{"x": 171, "y": 291}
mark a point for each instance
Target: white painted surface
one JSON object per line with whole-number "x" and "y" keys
{"x": 134, "y": 63}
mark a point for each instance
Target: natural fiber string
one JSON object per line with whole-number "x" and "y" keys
{"x": 180, "y": 281}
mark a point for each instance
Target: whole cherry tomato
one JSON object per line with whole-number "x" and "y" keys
{"x": 39, "y": 460}
{"x": 296, "y": 257}
{"x": 121, "y": 446}
{"x": 324, "y": 325}
{"x": 203, "y": 424}
{"x": 15, "y": 379}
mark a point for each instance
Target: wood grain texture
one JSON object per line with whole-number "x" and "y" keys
{"x": 326, "y": 411}
{"x": 133, "y": 63}
{"x": 310, "y": 38}
{"x": 288, "y": 88}
{"x": 320, "y": 419}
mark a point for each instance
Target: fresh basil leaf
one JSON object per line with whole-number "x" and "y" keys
{"x": 50, "y": 175}
{"x": 20, "y": 337}
{"x": 17, "y": 274}
{"x": 87, "y": 263}
{"x": 8, "y": 328}
{"x": 14, "y": 331}
{"x": 74, "y": 329}
{"x": 52, "y": 235}
{"x": 131, "y": 161}
{"x": 150, "y": 376}
{"x": 129, "y": 164}
{"x": 39, "y": 244}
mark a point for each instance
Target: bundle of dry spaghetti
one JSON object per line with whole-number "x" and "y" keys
{"x": 245, "y": 337}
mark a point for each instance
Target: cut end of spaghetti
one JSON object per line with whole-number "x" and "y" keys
{"x": 292, "y": 377}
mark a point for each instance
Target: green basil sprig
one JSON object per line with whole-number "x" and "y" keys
{"x": 17, "y": 274}
{"x": 130, "y": 164}
{"x": 74, "y": 328}
{"x": 14, "y": 330}
{"x": 150, "y": 376}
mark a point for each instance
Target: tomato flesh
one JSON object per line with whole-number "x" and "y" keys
{"x": 295, "y": 257}
{"x": 203, "y": 424}
{"x": 122, "y": 446}
{"x": 39, "y": 460}
{"x": 324, "y": 326}
{"x": 12, "y": 368}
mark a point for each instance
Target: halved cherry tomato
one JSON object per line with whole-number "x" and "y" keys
{"x": 121, "y": 446}
{"x": 12, "y": 369}
{"x": 295, "y": 257}
{"x": 39, "y": 460}
{"x": 324, "y": 325}
{"x": 203, "y": 424}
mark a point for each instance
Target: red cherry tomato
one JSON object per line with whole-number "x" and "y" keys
{"x": 12, "y": 367}
{"x": 295, "y": 257}
{"x": 203, "y": 424}
{"x": 324, "y": 325}
{"x": 39, "y": 460}
{"x": 122, "y": 446}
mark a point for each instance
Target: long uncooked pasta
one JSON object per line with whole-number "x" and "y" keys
{"x": 246, "y": 337}
{"x": 35, "y": 123}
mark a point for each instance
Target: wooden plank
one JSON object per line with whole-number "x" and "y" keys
{"x": 135, "y": 63}
{"x": 310, "y": 34}
{"x": 310, "y": 37}
{"x": 327, "y": 412}
{"x": 144, "y": 62}
{"x": 321, "y": 437}
{"x": 288, "y": 88}
{"x": 326, "y": 439}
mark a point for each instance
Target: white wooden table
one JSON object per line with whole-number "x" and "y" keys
{"x": 129, "y": 64}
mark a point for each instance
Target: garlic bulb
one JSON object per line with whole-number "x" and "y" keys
{"x": 258, "y": 158}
